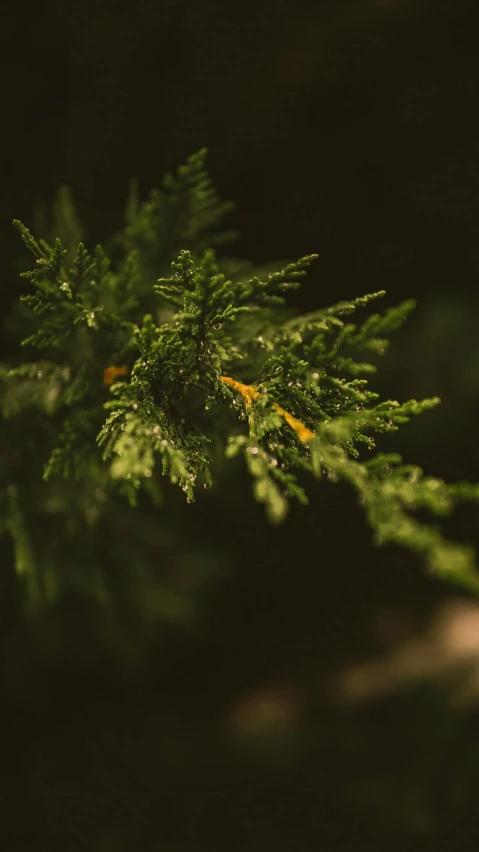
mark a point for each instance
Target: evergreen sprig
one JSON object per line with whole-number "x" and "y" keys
{"x": 185, "y": 212}
{"x": 150, "y": 356}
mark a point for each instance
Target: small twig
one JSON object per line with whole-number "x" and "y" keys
{"x": 249, "y": 393}
{"x": 111, "y": 373}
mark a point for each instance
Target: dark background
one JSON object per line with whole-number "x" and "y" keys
{"x": 344, "y": 128}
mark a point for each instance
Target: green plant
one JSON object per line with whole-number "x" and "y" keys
{"x": 157, "y": 358}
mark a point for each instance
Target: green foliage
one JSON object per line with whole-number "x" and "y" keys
{"x": 185, "y": 213}
{"x": 60, "y": 222}
{"x": 152, "y": 357}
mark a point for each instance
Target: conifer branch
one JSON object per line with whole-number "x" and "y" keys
{"x": 168, "y": 321}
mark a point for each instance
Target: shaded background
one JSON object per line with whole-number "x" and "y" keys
{"x": 325, "y": 695}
